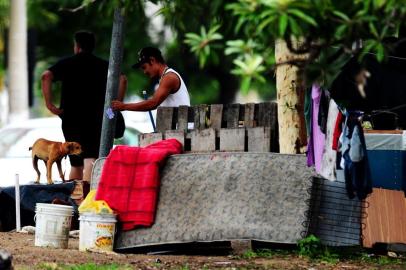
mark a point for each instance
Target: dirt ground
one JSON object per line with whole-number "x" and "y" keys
{"x": 27, "y": 256}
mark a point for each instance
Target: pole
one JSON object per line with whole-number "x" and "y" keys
{"x": 150, "y": 113}
{"x": 113, "y": 78}
{"x": 17, "y": 196}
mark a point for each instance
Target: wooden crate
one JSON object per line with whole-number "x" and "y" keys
{"x": 206, "y": 128}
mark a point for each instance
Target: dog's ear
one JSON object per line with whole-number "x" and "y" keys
{"x": 71, "y": 146}
{"x": 66, "y": 147}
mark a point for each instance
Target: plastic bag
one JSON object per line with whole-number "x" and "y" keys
{"x": 89, "y": 204}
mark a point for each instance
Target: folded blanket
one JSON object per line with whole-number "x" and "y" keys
{"x": 130, "y": 180}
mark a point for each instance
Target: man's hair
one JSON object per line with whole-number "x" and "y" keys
{"x": 146, "y": 53}
{"x": 85, "y": 40}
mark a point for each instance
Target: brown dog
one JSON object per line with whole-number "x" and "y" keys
{"x": 50, "y": 152}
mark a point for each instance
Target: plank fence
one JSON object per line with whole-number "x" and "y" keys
{"x": 251, "y": 127}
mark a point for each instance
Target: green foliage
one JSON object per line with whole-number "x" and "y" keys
{"x": 249, "y": 254}
{"x": 323, "y": 25}
{"x": 312, "y": 248}
{"x": 265, "y": 253}
{"x": 184, "y": 267}
{"x": 237, "y": 35}
{"x": 199, "y": 44}
{"x": 208, "y": 91}
{"x": 4, "y": 14}
{"x": 39, "y": 17}
{"x": 248, "y": 64}
{"x": 261, "y": 253}
{"x": 249, "y": 67}
{"x": 272, "y": 16}
{"x": 207, "y": 57}
{"x": 322, "y": 71}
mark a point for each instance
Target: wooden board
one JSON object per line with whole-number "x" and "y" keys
{"x": 175, "y": 134}
{"x": 385, "y": 219}
{"x": 148, "y": 138}
{"x": 216, "y": 114}
{"x": 164, "y": 119}
{"x": 374, "y": 131}
{"x": 182, "y": 124}
{"x": 232, "y": 115}
{"x": 249, "y": 115}
{"x": 232, "y": 139}
{"x": 259, "y": 139}
{"x": 203, "y": 140}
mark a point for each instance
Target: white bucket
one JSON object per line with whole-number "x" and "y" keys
{"x": 52, "y": 224}
{"x": 96, "y": 231}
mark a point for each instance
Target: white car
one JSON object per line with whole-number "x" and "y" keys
{"x": 15, "y": 157}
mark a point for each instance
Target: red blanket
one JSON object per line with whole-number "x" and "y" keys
{"x": 130, "y": 179}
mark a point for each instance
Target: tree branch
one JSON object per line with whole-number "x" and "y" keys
{"x": 302, "y": 47}
{"x": 82, "y": 6}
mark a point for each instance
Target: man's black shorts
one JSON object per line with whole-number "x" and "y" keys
{"x": 88, "y": 137}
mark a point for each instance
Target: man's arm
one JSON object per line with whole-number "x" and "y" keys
{"x": 46, "y": 86}
{"x": 168, "y": 83}
{"x": 122, "y": 87}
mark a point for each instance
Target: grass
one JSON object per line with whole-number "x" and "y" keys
{"x": 312, "y": 249}
{"x": 261, "y": 253}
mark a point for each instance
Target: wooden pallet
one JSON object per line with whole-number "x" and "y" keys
{"x": 206, "y": 128}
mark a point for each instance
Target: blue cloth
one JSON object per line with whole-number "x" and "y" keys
{"x": 32, "y": 194}
{"x": 356, "y": 151}
{"x": 356, "y": 169}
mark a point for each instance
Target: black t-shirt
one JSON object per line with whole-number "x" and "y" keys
{"x": 83, "y": 78}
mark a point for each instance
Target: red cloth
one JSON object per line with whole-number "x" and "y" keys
{"x": 337, "y": 131}
{"x": 130, "y": 179}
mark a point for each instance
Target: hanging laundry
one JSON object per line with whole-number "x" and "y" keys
{"x": 337, "y": 130}
{"x": 354, "y": 158}
{"x": 323, "y": 110}
{"x": 328, "y": 164}
{"x": 315, "y": 144}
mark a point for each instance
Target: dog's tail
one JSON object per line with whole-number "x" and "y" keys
{"x": 30, "y": 148}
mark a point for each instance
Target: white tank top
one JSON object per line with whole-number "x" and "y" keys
{"x": 181, "y": 97}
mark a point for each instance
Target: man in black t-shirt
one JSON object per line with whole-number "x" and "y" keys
{"x": 83, "y": 78}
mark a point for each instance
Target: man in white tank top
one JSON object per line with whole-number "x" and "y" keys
{"x": 171, "y": 91}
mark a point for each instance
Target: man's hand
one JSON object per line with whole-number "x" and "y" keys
{"x": 117, "y": 105}
{"x": 54, "y": 109}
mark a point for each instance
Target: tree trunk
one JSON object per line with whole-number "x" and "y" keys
{"x": 17, "y": 67}
{"x": 290, "y": 98}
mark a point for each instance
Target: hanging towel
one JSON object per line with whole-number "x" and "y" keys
{"x": 328, "y": 163}
{"x": 130, "y": 180}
